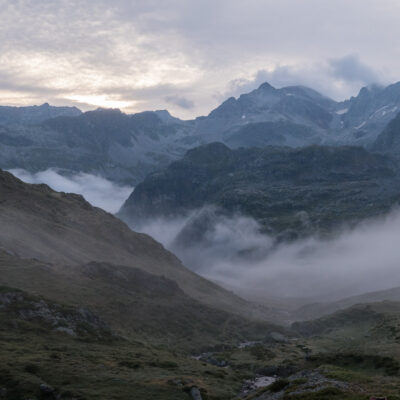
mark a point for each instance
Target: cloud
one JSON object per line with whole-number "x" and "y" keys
{"x": 96, "y": 190}
{"x": 351, "y": 69}
{"x": 232, "y": 251}
{"x": 180, "y": 102}
{"x": 142, "y": 54}
{"x": 338, "y": 78}
{"x": 280, "y": 76}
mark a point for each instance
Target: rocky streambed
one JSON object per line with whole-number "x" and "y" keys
{"x": 258, "y": 382}
{"x": 273, "y": 382}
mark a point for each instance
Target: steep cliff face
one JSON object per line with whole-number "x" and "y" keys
{"x": 389, "y": 140}
{"x": 289, "y": 191}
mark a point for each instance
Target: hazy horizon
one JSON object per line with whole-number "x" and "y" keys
{"x": 85, "y": 108}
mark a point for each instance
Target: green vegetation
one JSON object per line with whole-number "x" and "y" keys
{"x": 33, "y": 352}
{"x": 358, "y": 361}
{"x": 327, "y": 394}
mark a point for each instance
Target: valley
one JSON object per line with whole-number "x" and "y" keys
{"x": 199, "y": 200}
{"x": 233, "y": 290}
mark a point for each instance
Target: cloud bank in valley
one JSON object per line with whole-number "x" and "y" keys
{"x": 232, "y": 251}
{"x": 96, "y": 190}
{"x": 235, "y": 254}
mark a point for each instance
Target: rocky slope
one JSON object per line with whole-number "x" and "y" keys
{"x": 290, "y": 192}
{"x": 298, "y": 116}
{"x": 57, "y": 350}
{"x": 388, "y": 141}
{"x": 363, "y": 117}
{"x": 306, "y": 114}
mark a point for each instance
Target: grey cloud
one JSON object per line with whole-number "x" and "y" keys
{"x": 323, "y": 77}
{"x": 351, "y": 69}
{"x": 279, "y": 77}
{"x": 17, "y": 83}
{"x": 162, "y": 91}
{"x": 85, "y": 47}
{"x": 180, "y": 102}
{"x": 314, "y": 76}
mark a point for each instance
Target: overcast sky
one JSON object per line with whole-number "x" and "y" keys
{"x": 189, "y": 55}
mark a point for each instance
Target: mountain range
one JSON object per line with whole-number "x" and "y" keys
{"x": 125, "y": 148}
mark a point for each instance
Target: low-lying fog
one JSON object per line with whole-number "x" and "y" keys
{"x": 96, "y": 190}
{"x": 234, "y": 253}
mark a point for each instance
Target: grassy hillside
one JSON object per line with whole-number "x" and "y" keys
{"x": 63, "y": 229}
{"x": 133, "y": 302}
{"x": 42, "y": 359}
{"x": 316, "y": 310}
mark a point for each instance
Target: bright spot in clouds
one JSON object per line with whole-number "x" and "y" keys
{"x": 100, "y": 101}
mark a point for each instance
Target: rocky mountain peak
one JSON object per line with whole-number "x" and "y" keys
{"x": 266, "y": 87}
